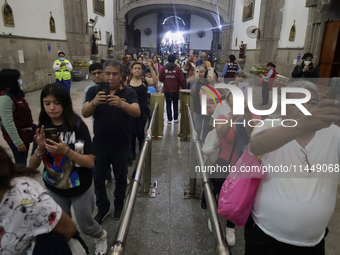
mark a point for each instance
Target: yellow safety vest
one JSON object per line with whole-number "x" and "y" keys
{"x": 62, "y": 73}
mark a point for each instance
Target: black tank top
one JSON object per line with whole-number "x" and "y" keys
{"x": 141, "y": 92}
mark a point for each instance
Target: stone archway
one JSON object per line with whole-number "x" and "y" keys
{"x": 224, "y": 12}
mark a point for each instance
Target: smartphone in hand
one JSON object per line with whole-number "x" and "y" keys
{"x": 146, "y": 57}
{"x": 104, "y": 86}
{"x": 52, "y": 134}
{"x": 211, "y": 72}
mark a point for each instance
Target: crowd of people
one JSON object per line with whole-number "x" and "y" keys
{"x": 289, "y": 216}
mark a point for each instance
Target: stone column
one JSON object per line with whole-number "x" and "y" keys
{"x": 319, "y": 11}
{"x": 120, "y": 30}
{"x": 227, "y": 36}
{"x": 270, "y": 29}
{"x": 78, "y": 42}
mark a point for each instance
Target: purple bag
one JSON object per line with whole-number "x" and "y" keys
{"x": 237, "y": 194}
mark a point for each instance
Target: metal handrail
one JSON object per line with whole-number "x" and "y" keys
{"x": 118, "y": 247}
{"x": 222, "y": 247}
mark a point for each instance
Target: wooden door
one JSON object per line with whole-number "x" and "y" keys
{"x": 330, "y": 53}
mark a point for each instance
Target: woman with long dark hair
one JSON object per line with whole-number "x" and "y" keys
{"x": 15, "y": 115}
{"x": 26, "y": 209}
{"x": 65, "y": 148}
{"x": 140, "y": 85}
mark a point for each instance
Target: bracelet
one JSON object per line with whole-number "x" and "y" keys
{"x": 67, "y": 151}
{"x": 73, "y": 155}
{"x": 39, "y": 155}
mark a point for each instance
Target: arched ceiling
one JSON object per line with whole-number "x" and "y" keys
{"x": 135, "y": 14}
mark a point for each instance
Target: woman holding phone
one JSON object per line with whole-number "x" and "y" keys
{"x": 140, "y": 85}
{"x": 15, "y": 115}
{"x": 68, "y": 162}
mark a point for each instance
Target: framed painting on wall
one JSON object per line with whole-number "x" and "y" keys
{"x": 248, "y": 11}
{"x": 99, "y": 7}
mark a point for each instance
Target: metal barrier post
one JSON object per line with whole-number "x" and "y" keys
{"x": 192, "y": 169}
{"x": 184, "y": 128}
{"x": 147, "y": 169}
{"x": 222, "y": 247}
{"x": 118, "y": 247}
{"x": 159, "y": 99}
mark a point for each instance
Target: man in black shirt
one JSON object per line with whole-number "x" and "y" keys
{"x": 306, "y": 69}
{"x": 111, "y": 114}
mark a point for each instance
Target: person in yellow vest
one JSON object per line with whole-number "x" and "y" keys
{"x": 63, "y": 70}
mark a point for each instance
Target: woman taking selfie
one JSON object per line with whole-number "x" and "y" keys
{"x": 65, "y": 148}
{"x": 15, "y": 115}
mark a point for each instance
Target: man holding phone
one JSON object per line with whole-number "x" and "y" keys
{"x": 126, "y": 59}
{"x": 112, "y": 133}
{"x": 63, "y": 70}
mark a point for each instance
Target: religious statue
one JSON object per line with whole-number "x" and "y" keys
{"x": 94, "y": 48}
{"x": 52, "y": 24}
{"x": 241, "y": 54}
{"x": 7, "y": 15}
{"x": 292, "y": 33}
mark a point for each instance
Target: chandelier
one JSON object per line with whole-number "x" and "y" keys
{"x": 245, "y": 3}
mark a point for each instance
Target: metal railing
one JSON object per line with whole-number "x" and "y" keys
{"x": 118, "y": 247}
{"x": 222, "y": 247}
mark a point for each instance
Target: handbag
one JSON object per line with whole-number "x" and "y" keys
{"x": 237, "y": 194}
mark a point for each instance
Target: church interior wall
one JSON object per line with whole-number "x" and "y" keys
{"x": 148, "y": 21}
{"x": 240, "y": 27}
{"x": 38, "y": 60}
{"x": 198, "y": 23}
{"x": 32, "y": 18}
{"x": 294, "y": 10}
{"x": 31, "y": 34}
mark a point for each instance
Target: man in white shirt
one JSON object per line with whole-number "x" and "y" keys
{"x": 292, "y": 209}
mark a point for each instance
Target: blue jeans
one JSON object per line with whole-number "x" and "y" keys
{"x": 19, "y": 157}
{"x": 65, "y": 83}
{"x": 118, "y": 159}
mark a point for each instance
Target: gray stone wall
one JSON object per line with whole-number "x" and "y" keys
{"x": 34, "y": 72}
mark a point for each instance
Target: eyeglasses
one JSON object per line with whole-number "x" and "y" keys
{"x": 95, "y": 73}
{"x": 304, "y": 151}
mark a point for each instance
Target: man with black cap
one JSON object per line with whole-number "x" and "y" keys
{"x": 172, "y": 77}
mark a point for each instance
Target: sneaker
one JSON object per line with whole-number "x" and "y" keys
{"x": 169, "y": 121}
{"x": 230, "y": 236}
{"x": 176, "y": 120}
{"x": 101, "y": 244}
{"x": 209, "y": 225}
{"x": 100, "y": 217}
{"x": 118, "y": 212}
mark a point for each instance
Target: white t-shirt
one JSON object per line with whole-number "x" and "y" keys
{"x": 223, "y": 109}
{"x": 26, "y": 211}
{"x": 295, "y": 207}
